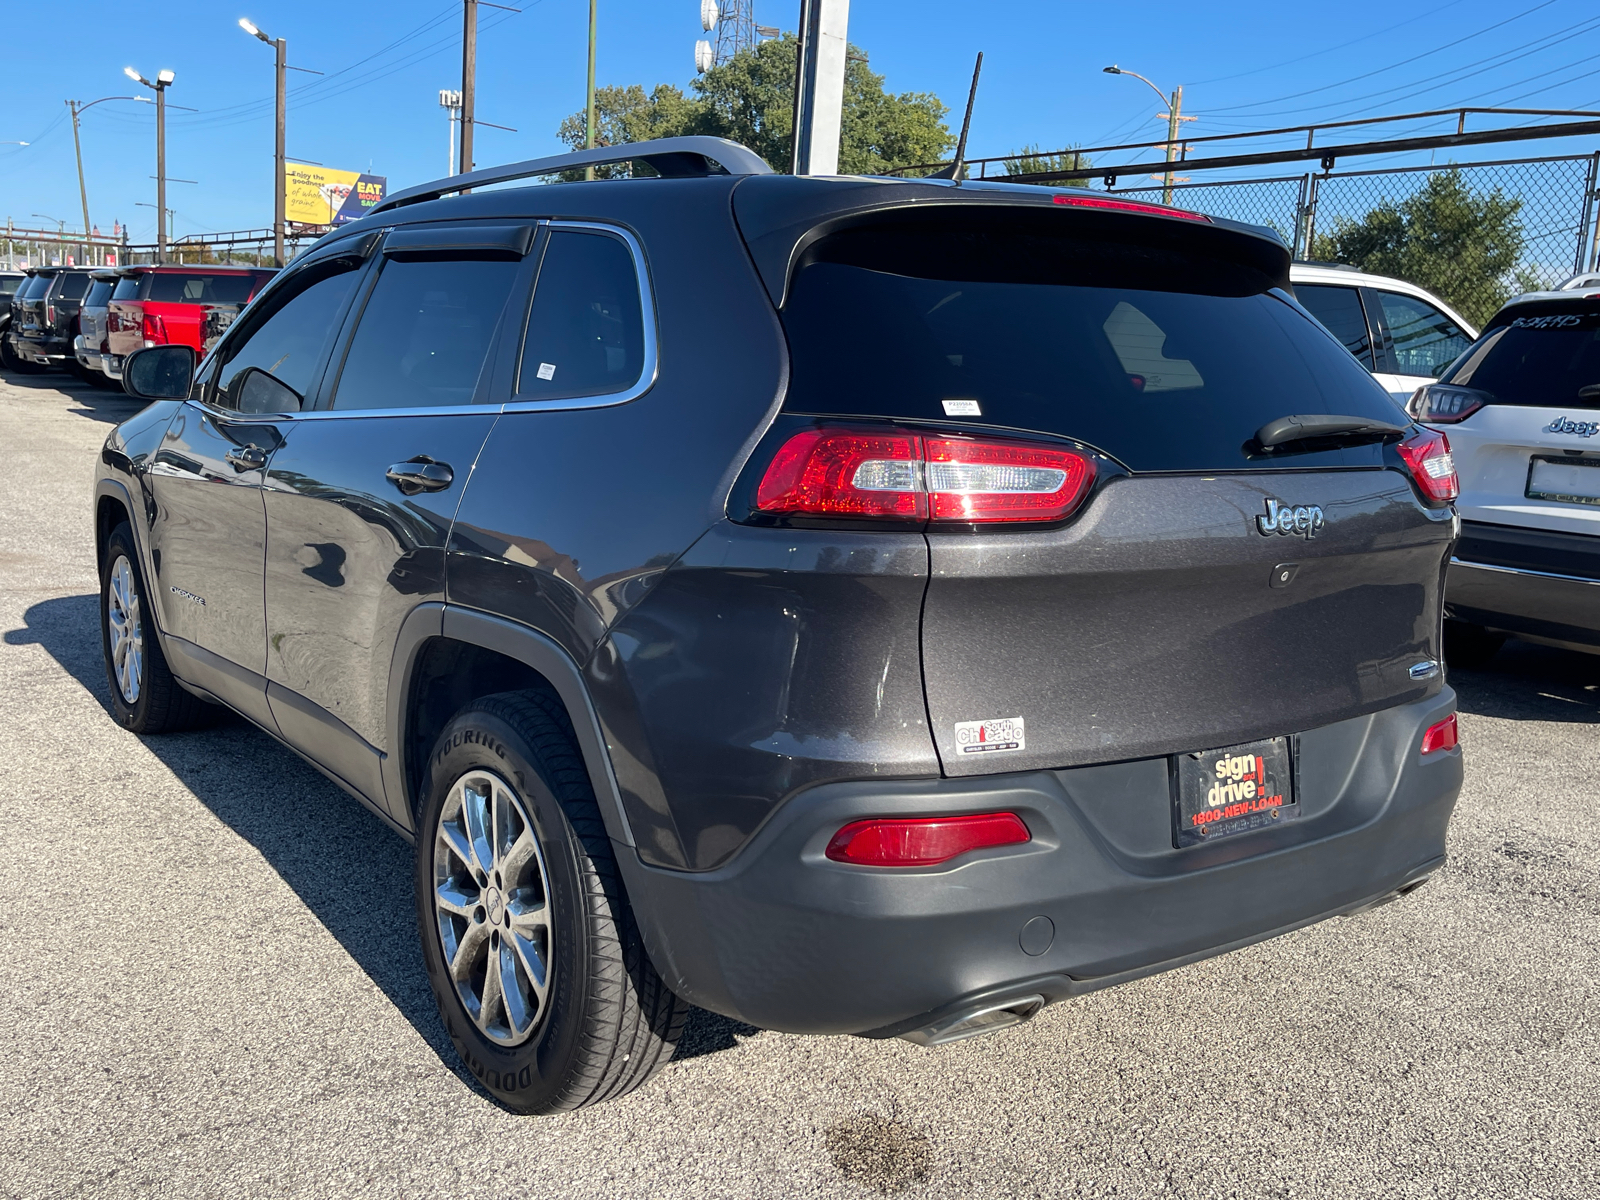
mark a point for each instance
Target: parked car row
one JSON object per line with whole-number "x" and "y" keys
{"x": 86, "y": 320}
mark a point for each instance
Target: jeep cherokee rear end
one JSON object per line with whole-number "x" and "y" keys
{"x": 957, "y": 597}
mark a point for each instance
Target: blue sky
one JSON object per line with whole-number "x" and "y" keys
{"x": 1243, "y": 65}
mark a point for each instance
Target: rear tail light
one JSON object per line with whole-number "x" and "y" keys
{"x": 154, "y": 329}
{"x": 1441, "y": 404}
{"x": 1427, "y": 453}
{"x": 923, "y": 841}
{"x": 898, "y": 475}
{"x": 1131, "y": 206}
{"x": 49, "y": 313}
{"x": 1443, "y": 736}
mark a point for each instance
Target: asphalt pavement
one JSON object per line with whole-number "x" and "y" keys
{"x": 210, "y": 983}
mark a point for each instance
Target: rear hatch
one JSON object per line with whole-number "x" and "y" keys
{"x": 1522, "y": 410}
{"x": 1207, "y": 590}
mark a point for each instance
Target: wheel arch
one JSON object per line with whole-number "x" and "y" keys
{"x": 445, "y": 657}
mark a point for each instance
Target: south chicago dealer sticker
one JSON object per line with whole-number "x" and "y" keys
{"x": 983, "y": 737}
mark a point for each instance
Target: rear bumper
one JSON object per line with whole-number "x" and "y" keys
{"x": 87, "y": 357}
{"x": 47, "y": 352}
{"x": 1541, "y": 604}
{"x": 111, "y": 365}
{"x": 785, "y": 939}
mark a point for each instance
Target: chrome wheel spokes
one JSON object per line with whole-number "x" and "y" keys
{"x": 491, "y": 900}
{"x": 125, "y": 629}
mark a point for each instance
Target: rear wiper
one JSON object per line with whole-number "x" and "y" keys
{"x": 1327, "y": 428}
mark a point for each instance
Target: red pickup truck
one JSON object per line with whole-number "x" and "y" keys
{"x": 182, "y": 305}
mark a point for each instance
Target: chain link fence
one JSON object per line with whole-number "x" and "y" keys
{"x": 1474, "y": 234}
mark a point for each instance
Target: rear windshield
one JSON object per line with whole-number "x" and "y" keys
{"x": 99, "y": 293}
{"x": 127, "y": 288}
{"x": 177, "y": 287}
{"x": 1175, "y": 371}
{"x": 1536, "y": 355}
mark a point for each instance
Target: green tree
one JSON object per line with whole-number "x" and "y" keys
{"x": 1029, "y": 160}
{"x": 750, "y": 100}
{"x": 1462, "y": 245}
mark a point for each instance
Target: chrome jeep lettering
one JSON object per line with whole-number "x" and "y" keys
{"x": 1585, "y": 429}
{"x": 1302, "y": 520}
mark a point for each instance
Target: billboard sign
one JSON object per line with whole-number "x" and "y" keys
{"x": 321, "y": 196}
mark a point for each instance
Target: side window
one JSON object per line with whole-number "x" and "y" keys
{"x": 586, "y": 325}
{"x": 271, "y": 369}
{"x": 425, "y": 334}
{"x": 1339, "y": 309}
{"x": 73, "y": 286}
{"x": 1424, "y": 340}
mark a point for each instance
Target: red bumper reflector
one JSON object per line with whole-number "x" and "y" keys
{"x": 1132, "y": 206}
{"x": 923, "y": 841}
{"x": 1442, "y": 736}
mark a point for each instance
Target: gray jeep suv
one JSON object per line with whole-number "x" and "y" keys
{"x": 853, "y": 606}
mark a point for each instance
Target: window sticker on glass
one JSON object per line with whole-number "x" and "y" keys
{"x": 962, "y": 408}
{"x": 547, "y": 370}
{"x": 1140, "y": 345}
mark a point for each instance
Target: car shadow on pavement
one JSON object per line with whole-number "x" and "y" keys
{"x": 1527, "y": 682}
{"x": 310, "y": 832}
{"x": 109, "y": 405}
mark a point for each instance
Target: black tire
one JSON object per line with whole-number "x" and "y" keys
{"x": 11, "y": 361}
{"x": 1470, "y": 647}
{"x": 607, "y": 1022}
{"x": 159, "y": 704}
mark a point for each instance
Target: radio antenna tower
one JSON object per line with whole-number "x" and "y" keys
{"x": 732, "y": 25}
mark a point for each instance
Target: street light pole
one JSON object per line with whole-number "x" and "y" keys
{"x": 1175, "y": 116}
{"x": 588, "y": 172}
{"x": 159, "y": 87}
{"x": 469, "y": 71}
{"x": 279, "y": 159}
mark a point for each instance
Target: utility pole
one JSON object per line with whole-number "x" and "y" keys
{"x": 1174, "y": 118}
{"x": 588, "y": 172}
{"x": 278, "y": 162}
{"x": 469, "y": 70}
{"x": 83, "y": 191}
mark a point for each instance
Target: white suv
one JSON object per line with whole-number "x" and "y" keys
{"x": 1402, "y": 334}
{"x": 1522, "y": 411}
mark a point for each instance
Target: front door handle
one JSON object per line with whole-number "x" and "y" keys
{"x": 250, "y": 457}
{"x": 420, "y": 474}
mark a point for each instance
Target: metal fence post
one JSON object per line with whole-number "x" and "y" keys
{"x": 1313, "y": 191}
{"x": 1588, "y": 214}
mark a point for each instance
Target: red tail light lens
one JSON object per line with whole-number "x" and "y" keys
{"x": 1441, "y": 404}
{"x": 1427, "y": 453}
{"x": 1443, "y": 736}
{"x": 1131, "y": 206}
{"x": 154, "y": 329}
{"x": 858, "y": 473}
{"x": 923, "y": 841}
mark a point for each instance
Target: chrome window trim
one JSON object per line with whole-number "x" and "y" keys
{"x": 1459, "y": 562}
{"x": 646, "y": 380}
{"x": 647, "y": 312}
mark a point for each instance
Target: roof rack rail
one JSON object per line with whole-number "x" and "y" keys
{"x": 672, "y": 157}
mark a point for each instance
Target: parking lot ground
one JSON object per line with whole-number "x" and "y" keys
{"x": 210, "y": 983}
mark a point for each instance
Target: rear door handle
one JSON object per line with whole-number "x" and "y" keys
{"x": 420, "y": 474}
{"x": 247, "y": 458}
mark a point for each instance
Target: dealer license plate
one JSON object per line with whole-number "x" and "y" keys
{"x": 1234, "y": 790}
{"x": 1570, "y": 480}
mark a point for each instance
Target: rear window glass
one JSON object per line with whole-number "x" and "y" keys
{"x": 72, "y": 286}
{"x": 9, "y": 285}
{"x": 127, "y": 288}
{"x": 1535, "y": 355}
{"x": 174, "y": 287}
{"x": 1164, "y": 380}
{"x": 99, "y": 293}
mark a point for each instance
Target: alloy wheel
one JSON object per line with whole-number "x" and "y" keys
{"x": 126, "y": 629}
{"x": 491, "y": 901}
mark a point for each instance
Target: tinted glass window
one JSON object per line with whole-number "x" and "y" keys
{"x": 1339, "y": 308}
{"x": 72, "y": 286}
{"x": 586, "y": 326}
{"x": 1163, "y": 380}
{"x": 99, "y": 293}
{"x": 287, "y": 346}
{"x": 1423, "y": 340}
{"x": 180, "y": 288}
{"x": 26, "y": 289}
{"x": 127, "y": 288}
{"x": 9, "y": 285}
{"x": 424, "y": 335}
{"x": 1549, "y": 359}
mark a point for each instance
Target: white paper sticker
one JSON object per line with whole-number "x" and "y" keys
{"x": 962, "y": 408}
{"x": 547, "y": 370}
{"x": 982, "y": 737}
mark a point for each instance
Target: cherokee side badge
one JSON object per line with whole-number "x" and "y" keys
{"x": 1302, "y": 520}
